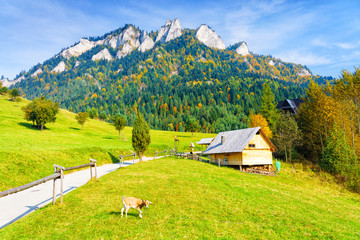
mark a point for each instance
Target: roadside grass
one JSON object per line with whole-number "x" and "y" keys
{"x": 194, "y": 200}
{"x": 27, "y": 154}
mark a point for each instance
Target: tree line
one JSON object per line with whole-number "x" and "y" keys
{"x": 326, "y": 130}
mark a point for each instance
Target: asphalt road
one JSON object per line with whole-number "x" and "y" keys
{"x": 18, "y": 205}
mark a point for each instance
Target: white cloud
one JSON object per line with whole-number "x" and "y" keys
{"x": 300, "y": 56}
{"x": 347, "y": 45}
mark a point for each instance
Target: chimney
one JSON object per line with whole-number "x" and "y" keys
{"x": 222, "y": 140}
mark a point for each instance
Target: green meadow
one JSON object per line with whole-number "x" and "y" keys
{"x": 196, "y": 200}
{"x": 191, "y": 199}
{"x": 28, "y": 154}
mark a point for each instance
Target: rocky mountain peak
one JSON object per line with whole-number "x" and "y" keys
{"x": 103, "y": 54}
{"x": 61, "y": 67}
{"x": 209, "y": 37}
{"x": 242, "y": 49}
{"x": 130, "y": 34}
{"x": 146, "y": 42}
{"x": 83, "y": 46}
{"x": 170, "y": 31}
{"x": 304, "y": 72}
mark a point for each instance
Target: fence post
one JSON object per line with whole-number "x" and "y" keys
{"x": 218, "y": 162}
{"x": 155, "y": 154}
{"x": 61, "y": 185}
{"x": 94, "y": 162}
{"x": 61, "y": 182}
{"x": 54, "y": 186}
{"x": 121, "y": 160}
{"x": 90, "y": 172}
{"x": 134, "y": 158}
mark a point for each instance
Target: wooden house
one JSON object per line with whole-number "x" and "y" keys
{"x": 289, "y": 105}
{"x": 244, "y": 148}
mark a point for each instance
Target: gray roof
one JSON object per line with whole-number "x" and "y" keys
{"x": 235, "y": 141}
{"x": 205, "y": 141}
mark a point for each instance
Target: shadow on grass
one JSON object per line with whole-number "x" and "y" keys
{"x": 129, "y": 213}
{"x": 183, "y": 136}
{"x": 109, "y": 137}
{"x": 114, "y": 159}
{"x": 75, "y": 128}
{"x": 30, "y": 126}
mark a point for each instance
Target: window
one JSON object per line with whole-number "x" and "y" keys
{"x": 251, "y": 145}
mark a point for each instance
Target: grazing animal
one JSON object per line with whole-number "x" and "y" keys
{"x": 131, "y": 202}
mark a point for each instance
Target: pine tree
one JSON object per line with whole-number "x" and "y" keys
{"x": 140, "y": 136}
{"x": 268, "y": 107}
{"x": 337, "y": 156}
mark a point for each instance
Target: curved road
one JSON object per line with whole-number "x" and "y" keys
{"x": 18, "y": 205}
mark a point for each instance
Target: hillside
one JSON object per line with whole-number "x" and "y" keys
{"x": 193, "y": 200}
{"x": 29, "y": 154}
{"x": 167, "y": 75}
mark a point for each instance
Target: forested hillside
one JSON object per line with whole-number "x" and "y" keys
{"x": 169, "y": 84}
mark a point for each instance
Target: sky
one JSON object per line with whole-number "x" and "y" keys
{"x": 323, "y": 35}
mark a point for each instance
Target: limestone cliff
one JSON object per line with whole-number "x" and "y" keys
{"x": 242, "y": 49}
{"x": 61, "y": 67}
{"x": 170, "y": 31}
{"x": 103, "y": 54}
{"x": 146, "y": 43}
{"x": 209, "y": 37}
{"x": 83, "y": 46}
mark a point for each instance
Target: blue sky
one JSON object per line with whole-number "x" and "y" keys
{"x": 323, "y": 35}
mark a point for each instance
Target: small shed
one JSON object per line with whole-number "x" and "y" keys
{"x": 205, "y": 142}
{"x": 244, "y": 147}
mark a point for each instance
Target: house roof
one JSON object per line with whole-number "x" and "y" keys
{"x": 235, "y": 141}
{"x": 290, "y": 104}
{"x": 205, "y": 141}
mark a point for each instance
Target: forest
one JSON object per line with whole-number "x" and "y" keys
{"x": 169, "y": 85}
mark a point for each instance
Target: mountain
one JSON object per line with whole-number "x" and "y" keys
{"x": 168, "y": 75}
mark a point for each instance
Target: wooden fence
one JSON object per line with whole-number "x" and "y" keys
{"x": 58, "y": 174}
{"x": 121, "y": 158}
{"x": 157, "y": 153}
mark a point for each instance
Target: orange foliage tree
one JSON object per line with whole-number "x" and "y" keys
{"x": 258, "y": 120}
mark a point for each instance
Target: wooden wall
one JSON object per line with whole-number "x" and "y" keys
{"x": 260, "y": 155}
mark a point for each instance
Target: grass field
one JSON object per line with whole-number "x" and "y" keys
{"x": 27, "y": 154}
{"x": 194, "y": 200}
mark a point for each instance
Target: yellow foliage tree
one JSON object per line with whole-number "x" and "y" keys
{"x": 258, "y": 120}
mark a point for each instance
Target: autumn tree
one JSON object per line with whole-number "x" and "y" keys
{"x": 140, "y": 136}
{"x": 258, "y": 120}
{"x": 316, "y": 116}
{"x": 81, "y": 118}
{"x": 287, "y": 135}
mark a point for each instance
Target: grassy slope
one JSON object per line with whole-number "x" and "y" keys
{"x": 28, "y": 154}
{"x": 198, "y": 200}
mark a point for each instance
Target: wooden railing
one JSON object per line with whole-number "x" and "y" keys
{"x": 121, "y": 158}
{"x": 58, "y": 174}
{"x": 157, "y": 153}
